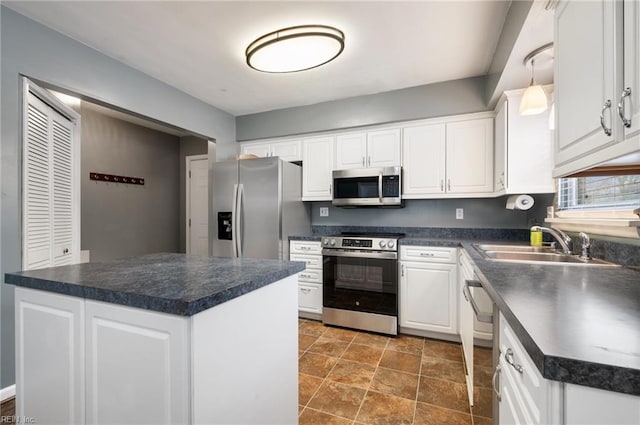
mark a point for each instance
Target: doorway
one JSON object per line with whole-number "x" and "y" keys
{"x": 197, "y": 221}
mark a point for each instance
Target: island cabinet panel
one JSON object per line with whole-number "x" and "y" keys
{"x": 592, "y": 406}
{"x": 143, "y": 354}
{"x": 245, "y": 358}
{"x": 83, "y": 361}
{"x": 49, "y": 357}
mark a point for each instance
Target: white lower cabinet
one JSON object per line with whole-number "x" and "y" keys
{"x": 146, "y": 355}
{"x": 428, "y": 291}
{"x": 526, "y": 398}
{"x": 466, "y": 320}
{"x": 81, "y": 361}
{"x": 50, "y": 357}
{"x": 309, "y": 280}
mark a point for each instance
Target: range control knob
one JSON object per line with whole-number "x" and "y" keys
{"x": 333, "y": 242}
{"x": 391, "y": 244}
{"x": 383, "y": 244}
{"x": 326, "y": 242}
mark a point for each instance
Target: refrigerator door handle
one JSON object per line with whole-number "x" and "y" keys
{"x": 239, "y": 214}
{"x": 234, "y": 215}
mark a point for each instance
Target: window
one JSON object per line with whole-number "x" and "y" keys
{"x": 601, "y": 205}
{"x": 602, "y": 192}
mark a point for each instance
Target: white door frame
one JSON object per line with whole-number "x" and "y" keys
{"x": 187, "y": 201}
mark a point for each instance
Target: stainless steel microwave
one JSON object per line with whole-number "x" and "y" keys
{"x": 368, "y": 187}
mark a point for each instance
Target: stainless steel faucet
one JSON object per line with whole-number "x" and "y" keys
{"x": 561, "y": 237}
{"x": 586, "y": 246}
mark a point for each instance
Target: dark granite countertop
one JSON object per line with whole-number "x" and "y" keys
{"x": 305, "y": 238}
{"x": 580, "y": 325}
{"x": 171, "y": 283}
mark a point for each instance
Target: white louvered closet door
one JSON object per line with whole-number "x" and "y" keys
{"x": 48, "y": 187}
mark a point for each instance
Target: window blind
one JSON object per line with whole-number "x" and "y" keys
{"x": 599, "y": 192}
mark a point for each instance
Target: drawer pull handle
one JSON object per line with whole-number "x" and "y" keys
{"x": 509, "y": 358}
{"x": 426, "y": 254}
{"x": 496, "y": 373}
{"x": 305, "y": 290}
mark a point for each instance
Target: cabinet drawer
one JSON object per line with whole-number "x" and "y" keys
{"x": 305, "y": 247}
{"x": 428, "y": 254}
{"x": 312, "y": 261}
{"x": 310, "y": 297}
{"x": 310, "y": 275}
{"x": 529, "y": 384}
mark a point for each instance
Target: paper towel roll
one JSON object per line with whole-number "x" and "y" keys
{"x": 519, "y": 202}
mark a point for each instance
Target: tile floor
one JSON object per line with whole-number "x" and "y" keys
{"x": 350, "y": 377}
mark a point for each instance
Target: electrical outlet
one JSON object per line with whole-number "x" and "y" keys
{"x": 459, "y": 213}
{"x": 324, "y": 211}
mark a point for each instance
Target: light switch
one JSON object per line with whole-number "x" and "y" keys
{"x": 459, "y": 213}
{"x": 324, "y": 211}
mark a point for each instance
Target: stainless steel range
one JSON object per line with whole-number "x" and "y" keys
{"x": 360, "y": 281}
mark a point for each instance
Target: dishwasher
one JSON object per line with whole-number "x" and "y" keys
{"x": 479, "y": 334}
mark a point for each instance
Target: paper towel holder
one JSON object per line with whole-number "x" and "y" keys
{"x": 519, "y": 202}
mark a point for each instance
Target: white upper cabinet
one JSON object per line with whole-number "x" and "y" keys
{"x": 351, "y": 151}
{"x": 523, "y": 149}
{"x": 448, "y": 159}
{"x": 631, "y": 75}
{"x": 380, "y": 148}
{"x": 423, "y": 153}
{"x": 317, "y": 168}
{"x": 470, "y": 156}
{"x": 383, "y": 148}
{"x": 596, "y": 60}
{"x": 288, "y": 150}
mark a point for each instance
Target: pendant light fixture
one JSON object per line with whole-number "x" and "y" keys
{"x": 534, "y": 100}
{"x": 295, "y": 49}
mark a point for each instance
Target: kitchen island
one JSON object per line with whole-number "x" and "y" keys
{"x": 162, "y": 338}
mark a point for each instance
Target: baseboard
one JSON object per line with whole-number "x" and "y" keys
{"x": 7, "y": 392}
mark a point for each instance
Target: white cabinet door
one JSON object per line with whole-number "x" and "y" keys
{"x": 351, "y": 151}
{"x": 428, "y": 297}
{"x": 500, "y": 147}
{"x": 470, "y": 156}
{"x": 289, "y": 150}
{"x": 632, "y": 66}
{"x": 592, "y": 406}
{"x": 423, "y": 152}
{"x": 383, "y": 148}
{"x": 511, "y": 409}
{"x": 137, "y": 366}
{"x": 261, "y": 150}
{"x": 467, "y": 318}
{"x": 318, "y": 160}
{"x": 586, "y": 62}
{"x": 49, "y": 357}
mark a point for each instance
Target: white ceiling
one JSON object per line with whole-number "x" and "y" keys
{"x": 198, "y": 47}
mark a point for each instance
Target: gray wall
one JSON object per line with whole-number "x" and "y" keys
{"x": 31, "y": 49}
{"x": 433, "y": 100}
{"x": 478, "y": 213}
{"x": 122, "y": 220}
{"x": 189, "y": 145}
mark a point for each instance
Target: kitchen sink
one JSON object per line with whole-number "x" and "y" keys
{"x": 526, "y": 254}
{"x": 515, "y": 248}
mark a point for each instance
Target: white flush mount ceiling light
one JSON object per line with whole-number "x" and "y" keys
{"x": 295, "y": 48}
{"x": 534, "y": 100}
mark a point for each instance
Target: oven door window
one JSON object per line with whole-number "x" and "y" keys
{"x": 361, "y": 284}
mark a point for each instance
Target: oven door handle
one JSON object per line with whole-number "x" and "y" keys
{"x": 356, "y": 254}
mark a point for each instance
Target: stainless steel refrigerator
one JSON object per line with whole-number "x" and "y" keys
{"x": 255, "y": 205}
